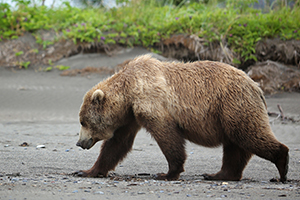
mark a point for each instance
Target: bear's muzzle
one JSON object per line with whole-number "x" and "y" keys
{"x": 85, "y": 144}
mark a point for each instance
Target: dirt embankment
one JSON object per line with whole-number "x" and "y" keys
{"x": 271, "y": 72}
{"x": 191, "y": 47}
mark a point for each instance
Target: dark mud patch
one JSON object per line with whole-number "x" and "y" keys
{"x": 95, "y": 70}
{"x": 88, "y": 70}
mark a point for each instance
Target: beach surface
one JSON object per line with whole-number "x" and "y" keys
{"x": 39, "y": 129}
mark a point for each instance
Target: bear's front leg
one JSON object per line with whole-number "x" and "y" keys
{"x": 174, "y": 151}
{"x": 112, "y": 151}
{"x": 172, "y": 144}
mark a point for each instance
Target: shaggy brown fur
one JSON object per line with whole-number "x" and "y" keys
{"x": 207, "y": 103}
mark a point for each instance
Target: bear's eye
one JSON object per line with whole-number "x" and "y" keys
{"x": 83, "y": 123}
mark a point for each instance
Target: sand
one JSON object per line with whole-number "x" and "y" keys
{"x": 41, "y": 108}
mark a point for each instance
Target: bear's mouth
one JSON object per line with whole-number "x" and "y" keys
{"x": 85, "y": 144}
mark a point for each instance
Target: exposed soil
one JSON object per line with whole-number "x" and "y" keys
{"x": 287, "y": 52}
{"x": 272, "y": 76}
{"x": 191, "y": 48}
{"x": 40, "y": 56}
{"x": 181, "y": 47}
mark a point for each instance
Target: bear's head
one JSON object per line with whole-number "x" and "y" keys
{"x": 101, "y": 113}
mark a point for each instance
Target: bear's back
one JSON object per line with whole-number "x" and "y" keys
{"x": 199, "y": 96}
{"x": 188, "y": 84}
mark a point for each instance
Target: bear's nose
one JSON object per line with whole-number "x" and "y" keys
{"x": 78, "y": 144}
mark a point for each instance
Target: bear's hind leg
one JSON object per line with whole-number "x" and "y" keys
{"x": 278, "y": 154}
{"x": 235, "y": 160}
{"x": 282, "y": 163}
{"x": 112, "y": 151}
{"x": 268, "y": 147}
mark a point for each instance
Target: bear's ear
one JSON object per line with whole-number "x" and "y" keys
{"x": 97, "y": 96}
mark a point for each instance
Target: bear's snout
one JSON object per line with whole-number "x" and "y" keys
{"x": 85, "y": 144}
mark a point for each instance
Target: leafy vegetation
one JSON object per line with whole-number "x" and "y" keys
{"x": 148, "y": 22}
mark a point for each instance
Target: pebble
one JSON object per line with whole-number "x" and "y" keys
{"x": 67, "y": 150}
{"x": 282, "y": 195}
{"x": 264, "y": 182}
{"x": 14, "y": 179}
{"x": 40, "y": 146}
{"x": 140, "y": 192}
{"x": 99, "y": 192}
{"x": 175, "y": 182}
{"x": 75, "y": 191}
{"x": 24, "y": 144}
{"x": 7, "y": 145}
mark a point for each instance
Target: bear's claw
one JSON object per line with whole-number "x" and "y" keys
{"x": 206, "y": 176}
{"x": 79, "y": 174}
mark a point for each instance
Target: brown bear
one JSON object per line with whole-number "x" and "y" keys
{"x": 207, "y": 103}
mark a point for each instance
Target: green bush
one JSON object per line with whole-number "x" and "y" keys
{"x": 146, "y": 23}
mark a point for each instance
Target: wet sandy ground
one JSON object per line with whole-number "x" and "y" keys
{"x": 41, "y": 108}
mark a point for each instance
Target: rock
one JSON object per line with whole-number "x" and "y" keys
{"x": 273, "y": 76}
{"x": 24, "y": 144}
{"x": 141, "y": 192}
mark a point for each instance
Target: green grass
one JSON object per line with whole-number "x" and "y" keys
{"x": 147, "y": 23}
